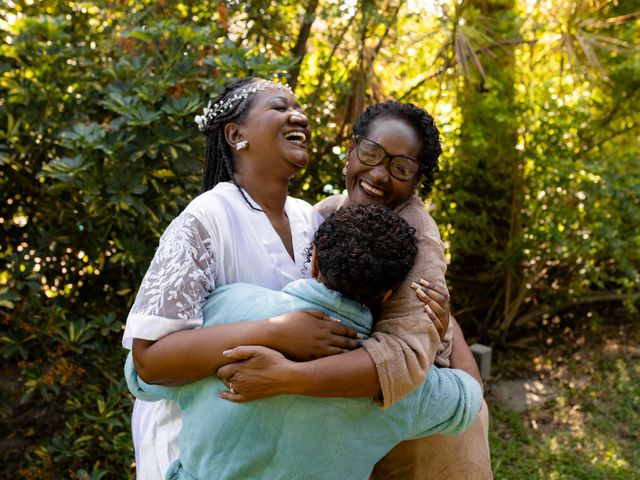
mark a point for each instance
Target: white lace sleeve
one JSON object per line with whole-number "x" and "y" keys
{"x": 173, "y": 291}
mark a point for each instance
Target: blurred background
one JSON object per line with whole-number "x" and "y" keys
{"x": 538, "y": 197}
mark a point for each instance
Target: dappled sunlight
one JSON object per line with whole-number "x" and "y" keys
{"x": 591, "y": 428}
{"x": 537, "y": 199}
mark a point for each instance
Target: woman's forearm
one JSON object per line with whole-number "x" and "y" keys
{"x": 461, "y": 355}
{"x": 351, "y": 374}
{"x": 190, "y": 355}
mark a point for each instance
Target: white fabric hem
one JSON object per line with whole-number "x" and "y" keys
{"x": 151, "y": 327}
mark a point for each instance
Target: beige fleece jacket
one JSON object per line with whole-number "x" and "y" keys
{"x": 405, "y": 342}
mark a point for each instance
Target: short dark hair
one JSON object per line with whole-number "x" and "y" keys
{"x": 364, "y": 250}
{"x": 422, "y": 123}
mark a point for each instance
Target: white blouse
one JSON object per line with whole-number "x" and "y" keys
{"x": 218, "y": 239}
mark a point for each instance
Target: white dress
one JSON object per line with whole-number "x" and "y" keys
{"x": 218, "y": 239}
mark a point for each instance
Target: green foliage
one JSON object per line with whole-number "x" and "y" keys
{"x": 589, "y": 430}
{"x": 484, "y": 180}
{"x": 539, "y": 196}
{"x": 99, "y": 152}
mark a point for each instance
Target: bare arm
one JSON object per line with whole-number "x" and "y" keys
{"x": 461, "y": 356}
{"x": 351, "y": 374}
{"x": 259, "y": 372}
{"x": 190, "y": 355}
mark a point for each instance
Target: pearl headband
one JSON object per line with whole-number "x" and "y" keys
{"x": 212, "y": 110}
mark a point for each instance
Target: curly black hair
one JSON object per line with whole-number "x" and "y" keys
{"x": 218, "y": 159}
{"x": 422, "y": 123}
{"x": 364, "y": 250}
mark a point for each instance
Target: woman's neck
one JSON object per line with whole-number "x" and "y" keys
{"x": 270, "y": 195}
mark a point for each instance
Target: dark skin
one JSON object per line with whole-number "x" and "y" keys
{"x": 190, "y": 355}
{"x": 264, "y": 170}
{"x": 436, "y": 304}
{"x": 260, "y": 372}
{"x": 461, "y": 356}
{"x": 270, "y": 368}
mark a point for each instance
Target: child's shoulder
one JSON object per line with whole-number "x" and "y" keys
{"x": 241, "y": 289}
{"x": 243, "y": 302}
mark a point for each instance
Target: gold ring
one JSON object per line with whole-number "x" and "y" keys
{"x": 231, "y": 388}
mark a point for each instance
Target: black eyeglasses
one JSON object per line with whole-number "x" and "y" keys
{"x": 371, "y": 154}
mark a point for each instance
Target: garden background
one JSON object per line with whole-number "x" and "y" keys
{"x": 538, "y": 198}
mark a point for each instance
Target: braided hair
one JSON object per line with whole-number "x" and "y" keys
{"x": 218, "y": 163}
{"x": 423, "y": 125}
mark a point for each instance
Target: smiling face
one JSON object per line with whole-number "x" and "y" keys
{"x": 375, "y": 185}
{"x": 277, "y": 130}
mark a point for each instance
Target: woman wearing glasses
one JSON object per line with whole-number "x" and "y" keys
{"x": 394, "y": 153}
{"x": 388, "y": 158}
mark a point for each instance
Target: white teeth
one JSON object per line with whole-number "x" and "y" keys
{"x": 296, "y": 137}
{"x": 371, "y": 190}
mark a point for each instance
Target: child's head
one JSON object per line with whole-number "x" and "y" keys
{"x": 363, "y": 251}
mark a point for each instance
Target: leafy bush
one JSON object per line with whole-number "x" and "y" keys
{"x": 98, "y": 152}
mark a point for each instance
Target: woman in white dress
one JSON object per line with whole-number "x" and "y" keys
{"x": 243, "y": 228}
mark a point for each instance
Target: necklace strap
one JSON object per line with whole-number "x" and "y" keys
{"x": 244, "y": 196}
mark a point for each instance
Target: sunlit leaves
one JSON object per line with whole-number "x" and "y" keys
{"x": 99, "y": 151}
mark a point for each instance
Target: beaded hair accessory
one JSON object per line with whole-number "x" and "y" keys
{"x": 212, "y": 110}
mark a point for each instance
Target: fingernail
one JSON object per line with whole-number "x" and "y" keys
{"x": 226, "y": 353}
{"x": 415, "y": 285}
{"x": 424, "y": 282}
{"x": 361, "y": 336}
{"x": 335, "y": 319}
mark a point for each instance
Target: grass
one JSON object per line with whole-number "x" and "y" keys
{"x": 590, "y": 429}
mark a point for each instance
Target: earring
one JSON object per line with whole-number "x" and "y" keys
{"x": 242, "y": 145}
{"x": 344, "y": 169}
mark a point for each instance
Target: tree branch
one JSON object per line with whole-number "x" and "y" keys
{"x": 596, "y": 298}
{"x": 300, "y": 48}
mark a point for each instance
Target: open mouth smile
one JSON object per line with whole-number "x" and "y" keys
{"x": 299, "y": 138}
{"x": 371, "y": 190}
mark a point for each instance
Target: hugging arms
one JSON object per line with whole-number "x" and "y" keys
{"x": 245, "y": 228}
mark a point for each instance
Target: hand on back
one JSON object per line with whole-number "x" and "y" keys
{"x": 311, "y": 334}
{"x": 436, "y": 304}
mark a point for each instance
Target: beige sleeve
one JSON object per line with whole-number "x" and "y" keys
{"x": 404, "y": 343}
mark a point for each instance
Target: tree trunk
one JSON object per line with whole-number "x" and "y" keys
{"x": 485, "y": 180}
{"x": 300, "y": 48}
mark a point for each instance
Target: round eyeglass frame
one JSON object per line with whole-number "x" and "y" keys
{"x": 387, "y": 155}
